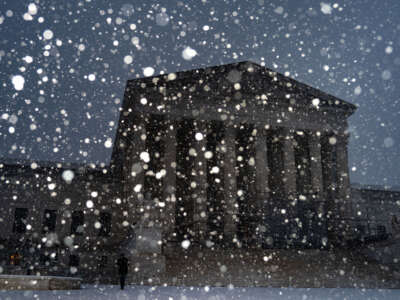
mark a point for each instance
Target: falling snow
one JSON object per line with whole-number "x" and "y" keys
{"x": 188, "y": 53}
{"x": 66, "y": 70}
{"x": 148, "y": 71}
{"x": 18, "y": 81}
{"x": 326, "y": 8}
{"x": 48, "y": 34}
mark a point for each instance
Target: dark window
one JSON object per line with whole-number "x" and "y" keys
{"x": 303, "y": 163}
{"x": 105, "y": 222}
{"x": 49, "y": 220}
{"x": 77, "y": 222}
{"x": 275, "y": 164}
{"x": 329, "y": 167}
{"x": 184, "y": 164}
{"x": 74, "y": 260}
{"x": 20, "y": 217}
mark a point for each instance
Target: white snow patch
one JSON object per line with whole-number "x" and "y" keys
{"x": 214, "y": 170}
{"x": 357, "y": 90}
{"x": 148, "y": 71}
{"x": 185, "y": 244}
{"x": 108, "y": 143}
{"x": 252, "y": 162}
{"x": 208, "y": 154}
{"x": 48, "y": 34}
{"x": 388, "y": 49}
{"x": 326, "y": 8}
{"x": 128, "y": 59}
{"x": 199, "y": 136}
{"x": 28, "y": 59}
{"x": 137, "y": 188}
{"x": 315, "y": 102}
{"x": 27, "y": 17}
{"x": 105, "y": 292}
{"x": 68, "y": 175}
{"x": 18, "y": 81}
{"x": 188, "y": 53}
{"x": 32, "y": 9}
{"x": 145, "y": 157}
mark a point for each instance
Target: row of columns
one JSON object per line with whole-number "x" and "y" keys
{"x": 134, "y": 189}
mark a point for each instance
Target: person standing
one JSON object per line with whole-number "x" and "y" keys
{"x": 122, "y": 263}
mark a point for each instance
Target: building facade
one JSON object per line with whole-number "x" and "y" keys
{"x": 375, "y": 208}
{"x": 228, "y": 156}
{"x": 234, "y": 154}
{"x": 53, "y": 217}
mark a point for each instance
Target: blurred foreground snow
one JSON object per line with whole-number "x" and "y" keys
{"x": 214, "y": 293}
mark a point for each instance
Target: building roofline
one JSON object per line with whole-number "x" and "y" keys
{"x": 375, "y": 187}
{"x": 49, "y": 164}
{"x": 204, "y": 70}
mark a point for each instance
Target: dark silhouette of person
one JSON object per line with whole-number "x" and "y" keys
{"x": 122, "y": 263}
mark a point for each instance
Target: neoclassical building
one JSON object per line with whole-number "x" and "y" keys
{"x": 235, "y": 155}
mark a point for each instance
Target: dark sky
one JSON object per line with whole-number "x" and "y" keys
{"x": 83, "y": 52}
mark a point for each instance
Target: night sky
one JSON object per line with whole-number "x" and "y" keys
{"x": 76, "y": 56}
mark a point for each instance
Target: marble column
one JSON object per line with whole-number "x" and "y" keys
{"x": 230, "y": 185}
{"x": 262, "y": 171}
{"x": 134, "y": 173}
{"x": 314, "y": 145}
{"x": 343, "y": 181}
{"x": 320, "y": 204}
{"x": 143, "y": 244}
{"x": 200, "y": 178}
{"x": 289, "y": 165}
{"x": 169, "y": 180}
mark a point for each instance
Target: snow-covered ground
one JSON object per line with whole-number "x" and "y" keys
{"x": 212, "y": 293}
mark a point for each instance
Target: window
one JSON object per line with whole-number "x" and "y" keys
{"x": 303, "y": 163}
{"x": 105, "y": 224}
{"x": 77, "y": 222}
{"x": 49, "y": 221}
{"x": 20, "y": 218}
